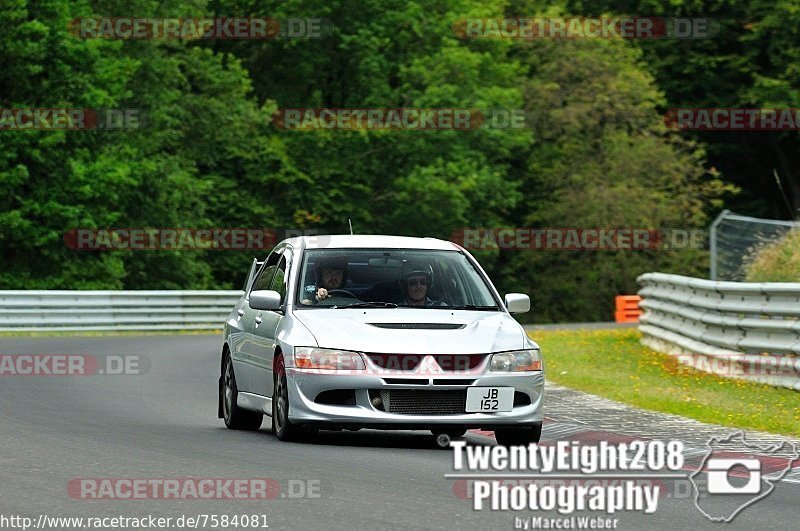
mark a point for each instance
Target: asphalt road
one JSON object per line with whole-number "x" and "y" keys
{"x": 162, "y": 424}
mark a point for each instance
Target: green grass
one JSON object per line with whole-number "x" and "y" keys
{"x": 613, "y": 364}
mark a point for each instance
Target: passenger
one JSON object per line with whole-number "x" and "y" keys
{"x": 416, "y": 283}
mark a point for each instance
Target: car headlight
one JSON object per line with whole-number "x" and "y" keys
{"x": 517, "y": 360}
{"x": 326, "y": 358}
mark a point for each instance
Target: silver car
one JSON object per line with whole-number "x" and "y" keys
{"x": 382, "y": 332}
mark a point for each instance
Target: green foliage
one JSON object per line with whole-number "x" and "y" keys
{"x": 752, "y": 61}
{"x": 201, "y": 130}
{"x": 777, "y": 261}
{"x": 595, "y": 152}
{"x": 602, "y": 158}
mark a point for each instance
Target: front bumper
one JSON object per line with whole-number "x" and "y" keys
{"x": 304, "y": 386}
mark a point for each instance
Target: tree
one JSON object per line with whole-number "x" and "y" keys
{"x": 750, "y": 61}
{"x": 201, "y": 132}
{"x": 603, "y": 158}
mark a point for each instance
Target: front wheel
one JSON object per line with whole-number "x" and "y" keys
{"x": 281, "y": 425}
{"x": 235, "y": 417}
{"x": 453, "y": 433}
{"x": 518, "y": 436}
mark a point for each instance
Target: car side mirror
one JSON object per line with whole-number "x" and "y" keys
{"x": 265, "y": 299}
{"x": 518, "y": 303}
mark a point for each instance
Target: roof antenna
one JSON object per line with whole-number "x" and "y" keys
{"x": 351, "y": 226}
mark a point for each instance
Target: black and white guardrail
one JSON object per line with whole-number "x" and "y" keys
{"x": 743, "y": 330}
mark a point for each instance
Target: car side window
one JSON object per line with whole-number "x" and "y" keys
{"x": 264, "y": 278}
{"x": 279, "y": 279}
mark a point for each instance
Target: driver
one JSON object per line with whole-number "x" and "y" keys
{"x": 331, "y": 274}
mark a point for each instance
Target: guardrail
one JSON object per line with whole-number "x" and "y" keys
{"x": 742, "y": 330}
{"x": 39, "y": 311}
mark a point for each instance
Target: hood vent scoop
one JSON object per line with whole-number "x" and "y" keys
{"x": 419, "y": 326}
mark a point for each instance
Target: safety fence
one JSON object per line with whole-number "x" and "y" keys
{"x": 742, "y": 330}
{"x": 39, "y": 311}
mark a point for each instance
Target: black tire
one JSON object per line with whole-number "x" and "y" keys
{"x": 518, "y": 436}
{"x": 453, "y": 433}
{"x": 235, "y": 417}
{"x": 281, "y": 425}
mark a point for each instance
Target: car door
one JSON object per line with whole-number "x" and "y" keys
{"x": 245, "y": 351}
{"x": 237, "y": 331}
{"x": 266, "y": 326}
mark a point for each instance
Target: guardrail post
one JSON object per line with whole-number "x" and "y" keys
{"x": 712, "y": 244}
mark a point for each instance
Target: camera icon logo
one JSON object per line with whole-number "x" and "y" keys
{"x": 718, "y": 471}
{"x": 734, "y": 474}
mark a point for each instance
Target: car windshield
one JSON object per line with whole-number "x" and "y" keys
{"x": 391, "y": 278}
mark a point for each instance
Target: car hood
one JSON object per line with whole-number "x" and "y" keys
{"x": 478, "y": 332}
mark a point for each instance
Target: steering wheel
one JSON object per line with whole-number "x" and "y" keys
{"x": 340, "y": 292}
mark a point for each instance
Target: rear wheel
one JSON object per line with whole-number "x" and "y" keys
{"x": 518, "y": 436}
{"x": 235, "y": 417}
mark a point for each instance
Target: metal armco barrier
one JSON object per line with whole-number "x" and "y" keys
{"x": 742, "y": 330}
{"x": 39, "y": 311}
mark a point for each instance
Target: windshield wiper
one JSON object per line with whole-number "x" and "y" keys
{"x": 375, "y": 304}
{"x": 470, "y": 307}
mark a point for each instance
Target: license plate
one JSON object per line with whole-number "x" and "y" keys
{"x": 490, "y": 399}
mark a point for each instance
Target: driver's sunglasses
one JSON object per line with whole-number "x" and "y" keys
{"x": 417, "y": 281}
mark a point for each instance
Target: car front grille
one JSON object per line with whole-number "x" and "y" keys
{"x": 420, "y": 402}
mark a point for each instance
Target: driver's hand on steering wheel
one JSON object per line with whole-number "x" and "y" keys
{"x": 322, "y": 294}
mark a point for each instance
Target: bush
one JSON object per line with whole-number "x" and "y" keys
{"x": 777, "y": 261}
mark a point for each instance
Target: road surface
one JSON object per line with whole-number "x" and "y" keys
{"x": 55, "y": 430}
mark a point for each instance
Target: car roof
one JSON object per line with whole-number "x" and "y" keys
{"x": 370, "y": 241}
